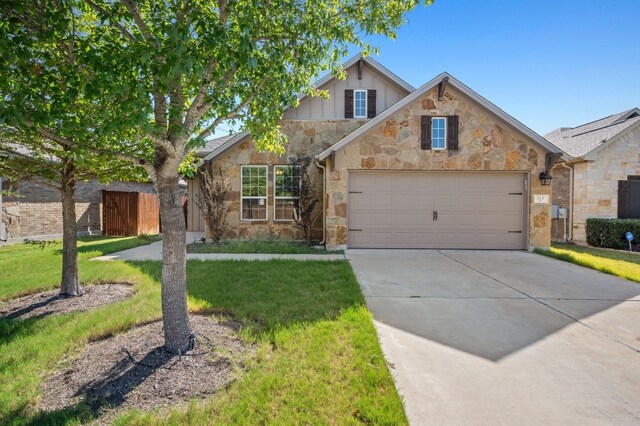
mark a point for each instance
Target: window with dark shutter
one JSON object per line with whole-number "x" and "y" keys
{"x": 425, "y": 132}
{"x": 624, "y": 199}
{"x": 452, "y": 132}
{"x": 348, "y": 103}
{"x": 371, "y": 103}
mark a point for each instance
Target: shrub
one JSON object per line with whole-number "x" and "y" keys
{"x": 611, "y": 232}
{"x": 213, "y": 192}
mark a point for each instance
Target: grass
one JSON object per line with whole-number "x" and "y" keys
{"x": 258, "y": 246}
{"x": 28, "y": 268}
{"x": 621, "y": 264}
{"x": 318, "y": 360}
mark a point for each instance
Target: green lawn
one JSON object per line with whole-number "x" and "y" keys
{"x": 621, "y": 264}
{"x": 318, "y": 359}
{"x": 258, "y": 246}
{"x": 28, "y": 268}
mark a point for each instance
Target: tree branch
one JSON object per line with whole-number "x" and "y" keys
{"x": 135, "y": 13}
{"x": 113, "y": 22}
{"x": 232, "y": 114}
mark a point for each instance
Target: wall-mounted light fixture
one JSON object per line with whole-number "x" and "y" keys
{"x": 545, "y": 178}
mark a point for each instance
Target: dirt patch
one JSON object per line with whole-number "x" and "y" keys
{"x": 49, "y": 303}
{"x": 133, "y": 370}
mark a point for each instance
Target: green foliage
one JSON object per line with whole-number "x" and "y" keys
{"x": 611, "y": 232}
{"x": 624, "y": 265}
{"x": 318, "y": 359}
{"x": 258, "y": 246}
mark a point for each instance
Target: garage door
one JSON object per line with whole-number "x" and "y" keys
{"x": 436, "y": 210}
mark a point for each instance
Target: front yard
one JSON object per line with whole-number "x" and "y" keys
{"x": 618, "y": 263}
{"x": 317, "y": 358}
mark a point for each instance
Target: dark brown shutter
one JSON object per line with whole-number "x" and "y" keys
{"x": 371, "y": 103}
{"x": 452, "y": 132}
{"x": 425, "y": 136}
{"x": 348, "y": 103}
{"x": 624, "y": 199}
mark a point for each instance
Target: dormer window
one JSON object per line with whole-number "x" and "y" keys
{"x": 360, "y": 104}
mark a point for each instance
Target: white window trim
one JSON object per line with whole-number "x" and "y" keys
{"x": 266, "y": 197}
{"x": 275, "y": 198}
{"x": 366, "y": 106}
{"x": 445, "y": 133}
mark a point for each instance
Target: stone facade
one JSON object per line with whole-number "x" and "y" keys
{"x": 305, "y": 137}
{"x": 486, "y": 143}
{"x": 595, "y": 181}
{"x": 561, "y": 196}
{"x": 36, "y": 210}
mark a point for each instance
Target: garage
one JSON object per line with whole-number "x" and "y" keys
{"x": 440, "y": 210}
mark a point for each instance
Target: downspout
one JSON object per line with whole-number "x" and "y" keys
{"x": 569, "y": 234}
{"x": 324, "y": 196}
{"x": 3, "y": 235}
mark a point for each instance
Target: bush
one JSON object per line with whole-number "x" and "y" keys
{"x": 610, "y": 233}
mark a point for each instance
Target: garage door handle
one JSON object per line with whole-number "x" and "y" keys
{"x": 515, "y": 193}
{"x": 515, "y": 232}
{"x": 355, "y": 230}
{"x": 355, "y": 192}
{"x": 435, "y": 215}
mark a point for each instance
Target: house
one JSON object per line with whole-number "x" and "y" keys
{"x": 397, "y": 167}
{"x": 33, "y": 210}
{"x": 599, "y": 175}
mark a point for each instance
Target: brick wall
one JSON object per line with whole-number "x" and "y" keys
{"x": 36, "y": 210}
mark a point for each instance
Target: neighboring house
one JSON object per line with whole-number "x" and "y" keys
{"x": 599, "y": 176}
{"x": 35, "y": 211}
{"x": 434, "y": 167}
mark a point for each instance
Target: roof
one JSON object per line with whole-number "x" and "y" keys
{"x": 220, "y": 148}
{"x": 580, "y": 140}
{"x": 424, "y": 89}
{"x": 212, "y": 145}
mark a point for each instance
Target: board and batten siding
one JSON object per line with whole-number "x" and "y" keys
{"x": 387, "y": 94}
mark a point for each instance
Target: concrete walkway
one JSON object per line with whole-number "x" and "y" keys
{"x": 504, "y": 338}
{"x": 153, "y": 251}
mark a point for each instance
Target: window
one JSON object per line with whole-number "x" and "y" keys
{"x": 286, "y": 184}
{"x": 253, "y": 187}
{"x": 360, "y": 104}
{"x": 438, "y": 133}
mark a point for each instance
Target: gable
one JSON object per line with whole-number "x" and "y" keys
{"x": 433, "y": 91}
{"x": 485, "y": 142}
{"x": 367, "y": 77}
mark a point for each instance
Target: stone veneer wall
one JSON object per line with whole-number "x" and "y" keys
{"x": 560, "y": 195}
{"x": 486, "y": 143}
{"x": 37, "y": 209}
{"x": 305, "y": 137}
{"x": 595, "y": 182}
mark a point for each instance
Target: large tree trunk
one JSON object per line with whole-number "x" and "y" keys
{"x": 70, "y": 285}
{"x": 178, "y": 336}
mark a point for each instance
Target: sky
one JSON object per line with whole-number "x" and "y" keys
{"x": 549, "y": 64}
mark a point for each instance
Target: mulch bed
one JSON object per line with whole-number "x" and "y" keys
{"x": 133, "y": 370}
{"x": 49, "y": 303}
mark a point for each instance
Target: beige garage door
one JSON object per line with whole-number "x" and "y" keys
{"x": 436, "y": 210}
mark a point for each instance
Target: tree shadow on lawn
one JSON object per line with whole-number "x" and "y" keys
{"x": 265, "y": 296}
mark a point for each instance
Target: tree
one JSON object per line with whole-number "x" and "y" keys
{"x": 211, "y": 202}
{"x": 46, "y": 120}
{"x": 304, "y": 194}
{"x": 42, "y": 161}
{"x": 171, "y": 72}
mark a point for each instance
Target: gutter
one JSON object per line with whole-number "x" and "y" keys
{"x": 324, "y": 197}
{"x": 568, "y": 234}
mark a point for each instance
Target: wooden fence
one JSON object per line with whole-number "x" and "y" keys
{"x": 130, "y": 213}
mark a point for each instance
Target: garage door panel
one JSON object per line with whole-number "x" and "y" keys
{"x": 475, "y": 210}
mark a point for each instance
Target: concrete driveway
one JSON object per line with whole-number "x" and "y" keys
{"x": 499, "y": 337}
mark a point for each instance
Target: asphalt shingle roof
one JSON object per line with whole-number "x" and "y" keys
{"x": 211, "y": 145}
{"x": 580, "y": 140}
